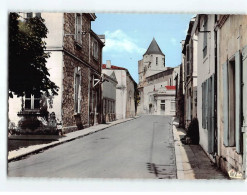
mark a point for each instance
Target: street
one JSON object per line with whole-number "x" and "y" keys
{"x": 140, "y": 148}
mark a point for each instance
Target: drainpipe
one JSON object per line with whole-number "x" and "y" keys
{"x": 215, "y": 90}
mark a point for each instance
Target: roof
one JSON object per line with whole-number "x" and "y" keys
{"x": 113, "y": 67}
{"x": 154, "y": 48}
{"x": 170, "y": 87}
{"x": 119, "y": 68}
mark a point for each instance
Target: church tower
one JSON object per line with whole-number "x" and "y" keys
{"x": 153, "y": 61}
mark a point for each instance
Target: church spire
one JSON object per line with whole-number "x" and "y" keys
{"x": 154, "y": 48}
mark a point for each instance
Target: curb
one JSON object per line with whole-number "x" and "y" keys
{"x": 56, "y": 143}
{"x": 177, "y": 142}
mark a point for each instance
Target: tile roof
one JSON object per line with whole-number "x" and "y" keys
{"x": 171, "y": 87}
{"x": 113, "y": 67}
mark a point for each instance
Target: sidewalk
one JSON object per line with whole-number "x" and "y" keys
{"x": 192, "y": 162}
{"x": 22, "y": 152}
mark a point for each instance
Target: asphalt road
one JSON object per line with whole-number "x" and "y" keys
{"x": 140, "y": 148}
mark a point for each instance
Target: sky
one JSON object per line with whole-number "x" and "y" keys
{"x": 129, "y": 35}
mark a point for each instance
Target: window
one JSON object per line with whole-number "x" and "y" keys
{"x": 162, "y": 105}
{"x": 188, "y": 59}
{"x": 205, "y": 38}
{"x": 113, "y": 107}
{"x": 29, "y": 14}
{"x": 163, "y": 60}
{"x": 104, "y": 106}
{"x": 38, "y": 15}
{"x": 78, "y": 29}
{"x": 173, "y": 106}
{"x": 32, "y": 102}
{"x": 95, "y": 50}
{"x": 77, "y": 89}
{"x": 156, "y": 61}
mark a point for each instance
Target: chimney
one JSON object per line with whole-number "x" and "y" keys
{"x": 108, "y": 63}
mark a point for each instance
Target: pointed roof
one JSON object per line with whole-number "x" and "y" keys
{"x": 113, "y": 76}
{"x": 154, "y": 48}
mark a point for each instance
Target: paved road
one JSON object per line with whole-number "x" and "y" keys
{"x": 140, "y": 148}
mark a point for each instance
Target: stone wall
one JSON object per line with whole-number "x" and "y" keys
{"x": 232, "y": 38}
{"x": 79, "y": 55}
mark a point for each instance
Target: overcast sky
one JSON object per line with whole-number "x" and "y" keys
{"x": 129, "y": 35}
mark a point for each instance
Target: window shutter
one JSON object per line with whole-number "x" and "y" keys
{"x": 225, "y": 104}
{"x": 244, "y": 76}
{"x": 244, "y": 99}
{"x": 78, "y": 28}
{"x": 211, "y": 115}
{"x": 237, "y": 100}
{"x": 191, "y": 56}
{"x": 79, "y": 91}
{"x": 206, "y": 104}
{"x": 203, "y": 93}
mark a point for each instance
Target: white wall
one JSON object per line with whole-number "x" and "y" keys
{"x": 121, "y": 93}
{"x": 55, "y": 67}
{"x": 205, "y": 69}
{"x": 54, "y": 24}
{"x": 109, "y": 88}
{"x": 53, "y": 21}
{"x": 153, "y": 69}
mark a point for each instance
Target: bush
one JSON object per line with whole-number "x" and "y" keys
{"x": 192, "y": 136}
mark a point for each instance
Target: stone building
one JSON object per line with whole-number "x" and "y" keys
{"x": 221, "y": 88}
{"x": 75, "y": 66}
{"x": 125, "y": 92}
{"x": 156, "y": 79}
{"x": 109, "y": 97}
{"x": 232, "y": 92}
{"x": 206, "y": 82}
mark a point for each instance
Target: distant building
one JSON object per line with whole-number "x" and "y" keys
{"x": 75, "y": 66}
{"x": 109, "y": 97}
{"x": 125, "y": 90}
{"x": 156, "y": 83}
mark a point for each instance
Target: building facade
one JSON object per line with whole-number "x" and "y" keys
{"x": 109, "y": 97}
{"x": 156, "y": 83}
{"x": 232, "y": 92}
{"x": 221, "y": 88}
{"x": 125, "y": 90}
{"x": 75, "y": 66}
{"x": 190, "y": 74}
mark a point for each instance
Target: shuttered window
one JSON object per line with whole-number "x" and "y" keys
{"x": 208, "y": 96}
{"x": 78, "y": 29}
{"x": 77, "y": 90}
{"x": 238, "y": 101}
{"x": 244, "y": 99}
{"x": 205, "y": 37}
{"x": 225, "y": 104}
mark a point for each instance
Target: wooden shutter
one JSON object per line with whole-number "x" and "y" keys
{"x": 206, "y": 104}
{"x": 225, "y": 104}
{"x": 244, "y": 99}
{"x": 79, "y": 91}
{"x": 78, "y": 28}
{"x": 211, "y": 116}
{"x": 237, "y": 100}
{"x": 203, "y": 105}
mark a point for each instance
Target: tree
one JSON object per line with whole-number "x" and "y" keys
{"x": 28, "y": 73}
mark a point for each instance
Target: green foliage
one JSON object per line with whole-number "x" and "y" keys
{"x": 27, "y": 58}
